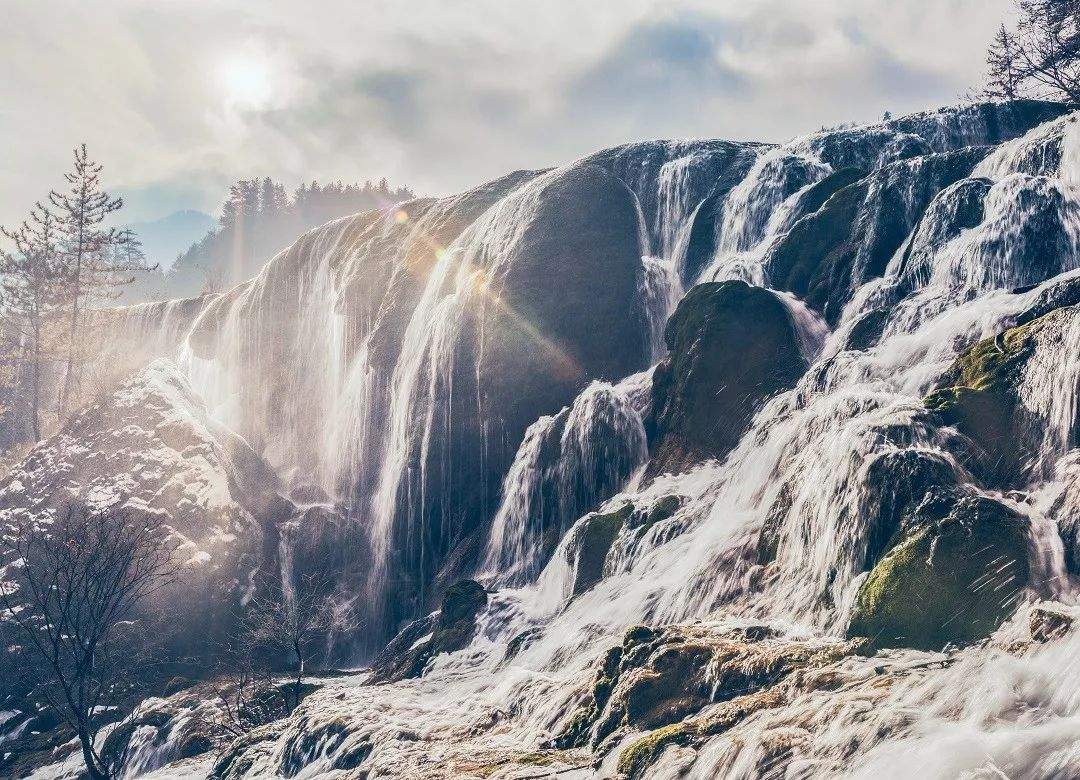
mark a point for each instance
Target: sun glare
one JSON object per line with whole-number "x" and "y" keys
{"x": 246, "y": 81}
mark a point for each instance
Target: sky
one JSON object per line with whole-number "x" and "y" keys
{"x": 177, "y": 98}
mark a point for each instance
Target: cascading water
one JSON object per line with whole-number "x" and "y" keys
{"x": 803, "y": 473}
{"x": 757, "y": 210}
{"x": 566, "y": 465}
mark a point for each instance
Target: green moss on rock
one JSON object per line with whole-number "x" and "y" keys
{"x": 979, "y": 395}
{"x": 642, "y": 754}
{"x": 731, "y": 347}
{"x": 956, "y": 574}
{"x": 591, "y": 540}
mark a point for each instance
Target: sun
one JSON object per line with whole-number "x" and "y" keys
{"x": 246, "y": 81}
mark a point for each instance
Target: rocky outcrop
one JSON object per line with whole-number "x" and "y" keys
{"x": 956, "y": 570}
{"x": 677, "y": 180}
{"x": 589, "y": 543}
{"x": 150, "y": 449}
{"x": 987, "y": 396}
{"x": 731, "y": 347}
{"x": 656, "y": 678}
{"x": 446, "y": 631}
{"x": 853, "y": 234}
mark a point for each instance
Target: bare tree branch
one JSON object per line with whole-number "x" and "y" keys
{"x": 71, "y": 584}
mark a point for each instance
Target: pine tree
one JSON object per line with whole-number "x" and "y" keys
{"x": 1040, "y": 56}
{"x": 30, "y": 296}
{"x": 92, "y": 261}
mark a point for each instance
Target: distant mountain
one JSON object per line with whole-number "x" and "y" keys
{"x": 163, "y": 241}
{"x": 166, "y": 238}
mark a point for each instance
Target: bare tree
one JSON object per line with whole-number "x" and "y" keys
{"x": 244, "y": 684}
{"x": 1040, "y": 57}
{"x": 30, "y": 296}
{"x": 77, "y": 585}
{"x": 295, "y": 619}
{"x": 96, "y": 259}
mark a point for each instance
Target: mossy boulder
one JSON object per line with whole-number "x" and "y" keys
{"x": 892, "y": 484}
{"x": 980, "y": 395}
{"x": 954, "y": 576}
{"x": 660, "y": 676}
{"x": 590, "y": 540}
{"x": 447, "y": 631}
{"x": 731, "y": 348}
{"x": 643, "y": 753}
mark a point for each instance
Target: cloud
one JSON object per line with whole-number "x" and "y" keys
{"x": 438, "y": 95}
{"x": 674, "y": 64}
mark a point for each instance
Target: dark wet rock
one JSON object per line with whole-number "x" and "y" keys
{"x": 850, "y": 239}
{"x": 731, "y": 348}
{"x": 868, "y": 329}
{"x": 539, "y": 346}
{"x": 977, "y": 395}
{"x": 956, "y": 571}
{"x": 1055, "y": 295}
{"x": 897, "y": 482}
{"x": 904, "y": 147}
{"x": 1038, "y": 245}
{"x": 521, "y": 642}
{"x": 661, "y": 511}
{"x": 711, "y": 167}
{"x": 892, "y": 485}
{"x": 564, "y": 480}
{"x": 590, "y": 540}
{"x": 1050, "y": 620}
{"x": 447, "y": 631}
{"x": 816, "y": 195}
{"x": 319, "y": 544}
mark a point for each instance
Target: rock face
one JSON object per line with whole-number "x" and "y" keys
{"x": 659, "y": 677}
{"x": 590, "y": 541}
{"x": 448, "y": 630}
{"x": 150, "y": 448}
{"x": 731, "y": 347}
{"x": 403, "y": 377}
{"x": 462, "y": 321}
{"x": 853, "y": 234}
{"x": 993, "y": 394}
{"x": 956, "y": 571}
{"x": 662, "y": 174}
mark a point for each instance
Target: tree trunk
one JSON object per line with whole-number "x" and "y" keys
{"x": 76, "y": 294}
{"x": 35, "y": 385}
{"x": 89, "y": 758}
{"x": 296, "y": 685}
{"x": 65, "y": 392}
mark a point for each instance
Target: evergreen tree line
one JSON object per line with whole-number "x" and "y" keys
{"x": 61, "y": 262}
{"x": 258, "y": 219}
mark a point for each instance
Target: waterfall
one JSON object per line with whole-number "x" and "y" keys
{"x": 803, "y": 473}
{"x": 662, "y": 291}
{"x": 567, "y": 465}
{"x": 756, "y": 210}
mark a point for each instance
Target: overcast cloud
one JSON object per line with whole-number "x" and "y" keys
{"x": 178, "y": 98}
